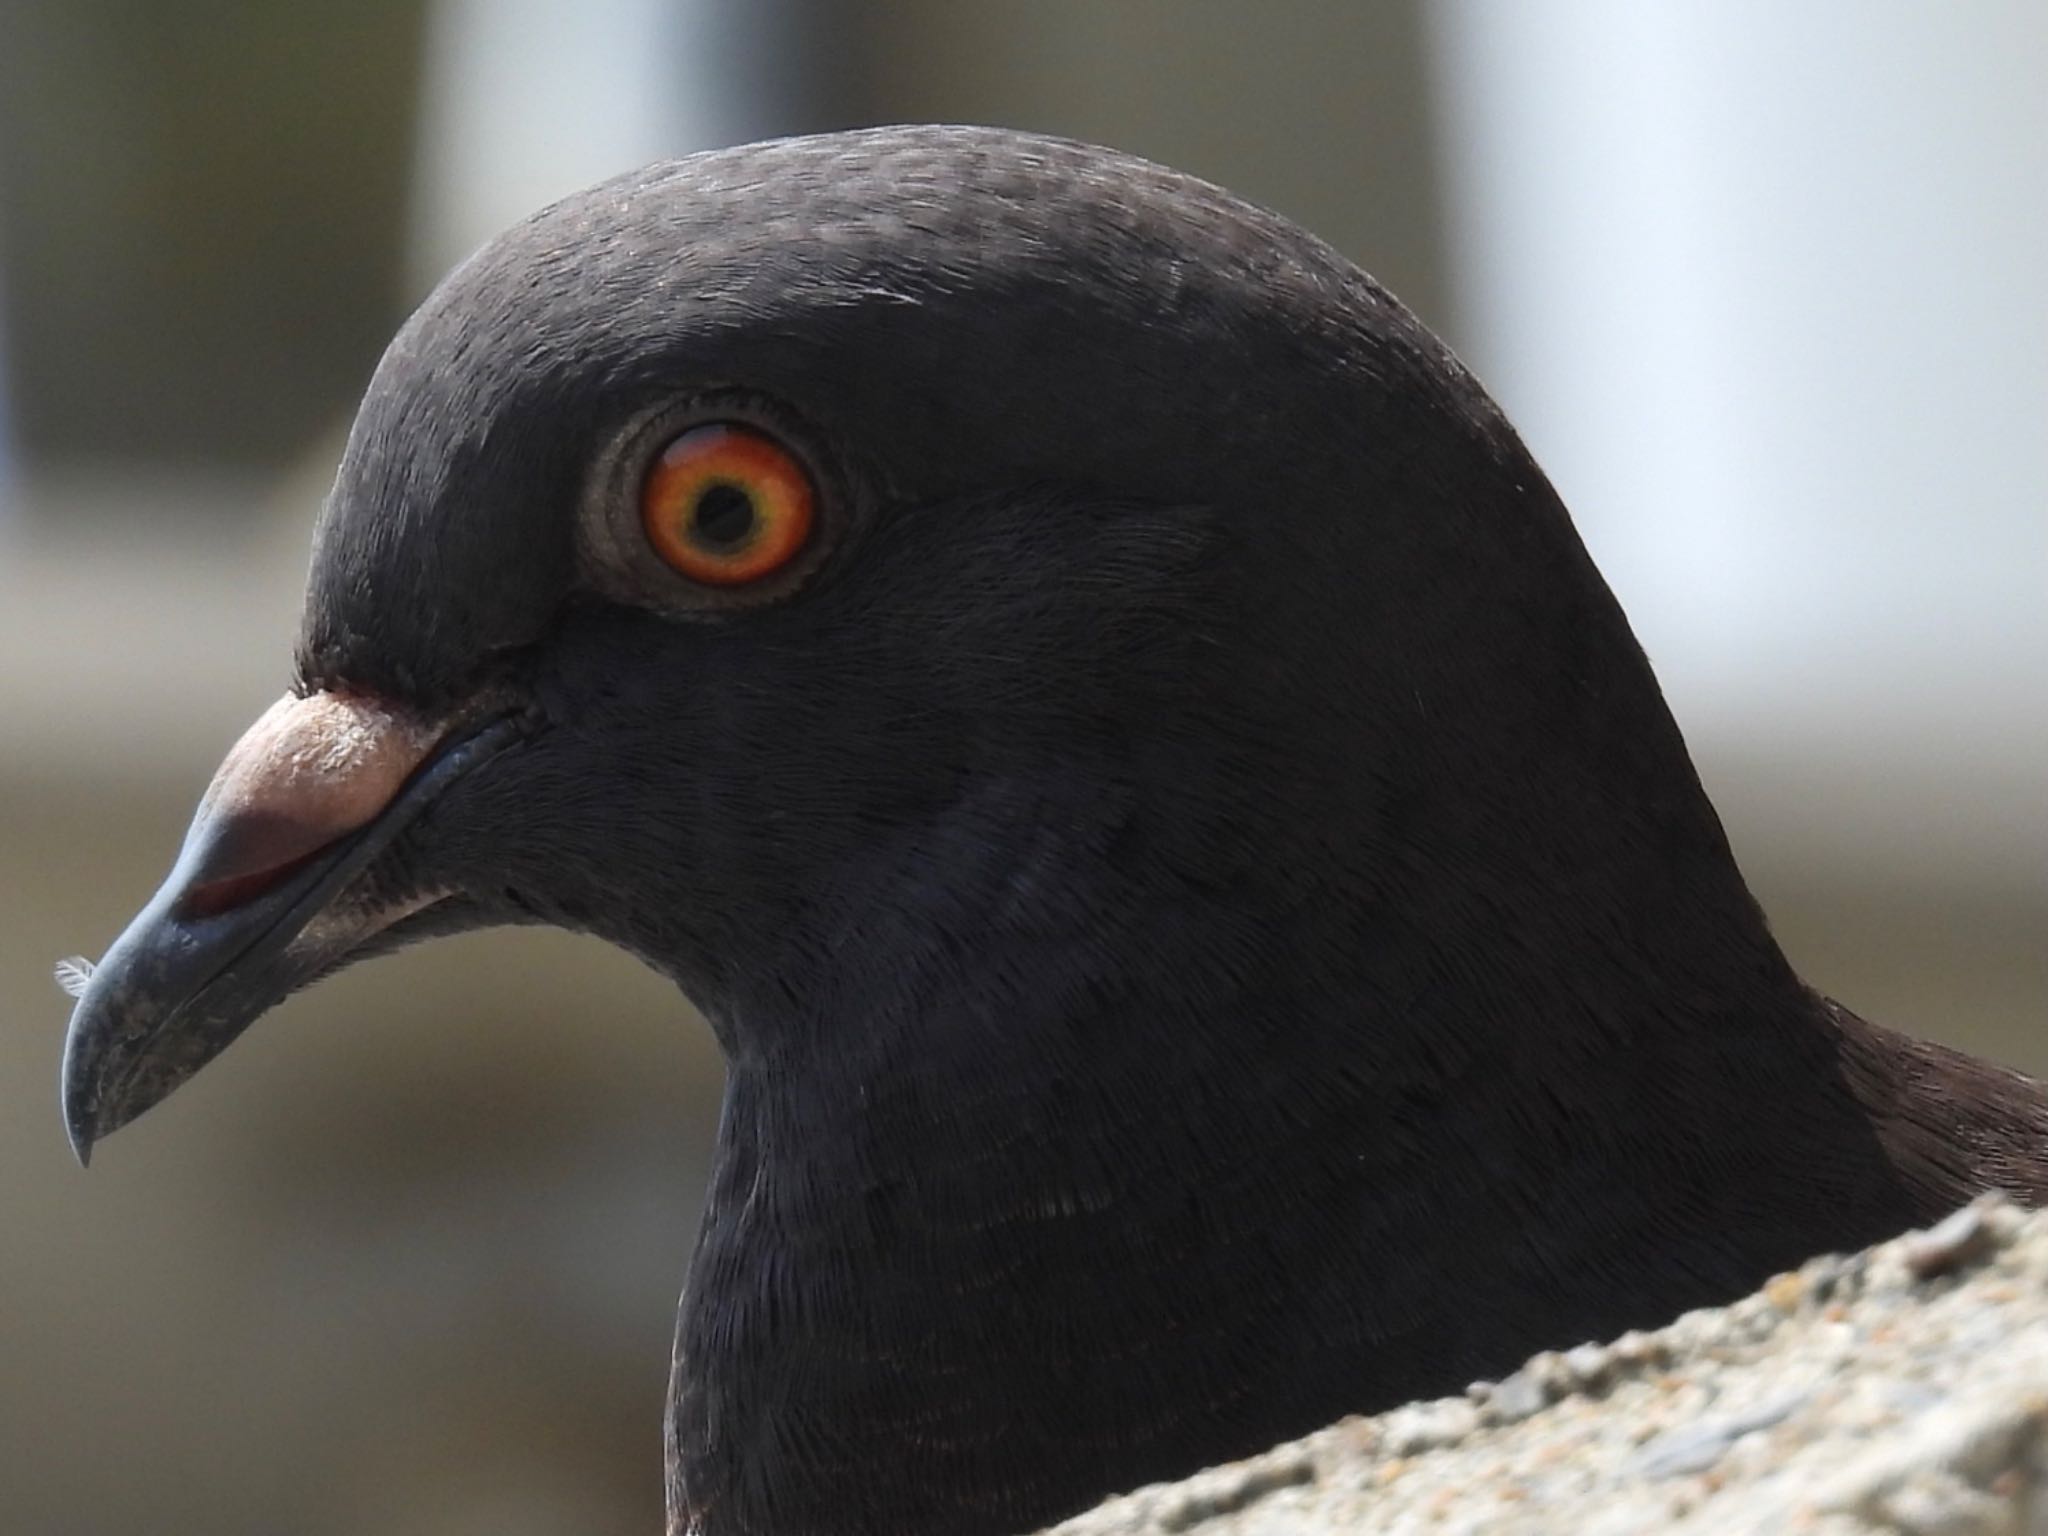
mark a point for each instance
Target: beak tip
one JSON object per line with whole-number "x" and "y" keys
{"x": 80, "y": 1127}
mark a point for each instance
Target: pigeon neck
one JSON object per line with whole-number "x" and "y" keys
{"x": 1115, "y": 1199}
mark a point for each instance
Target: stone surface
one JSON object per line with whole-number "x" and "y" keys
{"x": 1898, "y": 1392}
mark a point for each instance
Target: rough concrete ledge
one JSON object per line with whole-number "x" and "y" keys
{"x": 1902, "y": 1391}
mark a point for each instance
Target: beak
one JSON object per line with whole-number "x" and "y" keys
{"x": 293, "y": 862}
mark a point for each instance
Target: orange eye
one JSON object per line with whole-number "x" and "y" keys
{"x": 726, "y": 505}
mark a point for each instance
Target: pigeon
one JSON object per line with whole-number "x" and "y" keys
{"x": 1209, "y": 920}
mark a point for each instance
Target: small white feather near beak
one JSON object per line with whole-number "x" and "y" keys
{"x": 74, "y": 974}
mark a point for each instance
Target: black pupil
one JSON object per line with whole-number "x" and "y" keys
{"x": 724, "y": 517}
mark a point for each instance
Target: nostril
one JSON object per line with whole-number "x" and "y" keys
{"x": 209, "y": 898}
{"x": 238, "y": 852}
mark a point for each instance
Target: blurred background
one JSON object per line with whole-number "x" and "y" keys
{"x": 1764, "y": 285}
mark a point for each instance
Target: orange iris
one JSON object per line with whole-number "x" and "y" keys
{"x": 726, "y": 505}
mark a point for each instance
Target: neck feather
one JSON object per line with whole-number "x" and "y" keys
{"x": 1090, "y": 1199}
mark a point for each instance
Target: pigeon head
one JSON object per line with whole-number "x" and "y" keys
{"x": 1198, "y": 890}
{"x": 1145, "y": 538}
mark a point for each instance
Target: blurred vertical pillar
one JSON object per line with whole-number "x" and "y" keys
{"x": 525, "y": 101}
{"x": 1766, "y": 287}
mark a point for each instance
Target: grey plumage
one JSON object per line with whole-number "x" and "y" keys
{"x": 1210, "y": 921}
